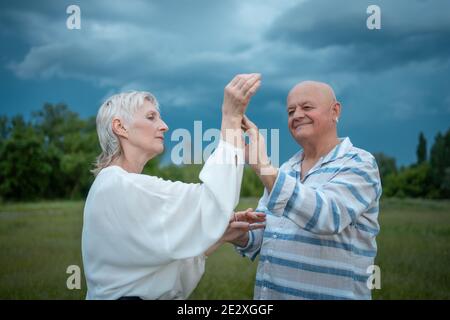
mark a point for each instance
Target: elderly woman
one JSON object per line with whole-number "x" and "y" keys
{"x": 144, "y": 237}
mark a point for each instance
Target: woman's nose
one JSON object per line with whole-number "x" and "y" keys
{"x": 164, "y": 126}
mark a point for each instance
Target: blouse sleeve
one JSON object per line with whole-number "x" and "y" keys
{"x": 181, "y": 220}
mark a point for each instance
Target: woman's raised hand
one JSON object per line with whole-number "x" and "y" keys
{"x": 237, "y": 94}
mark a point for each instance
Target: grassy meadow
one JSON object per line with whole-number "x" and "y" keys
{"x": 38, "y": 241}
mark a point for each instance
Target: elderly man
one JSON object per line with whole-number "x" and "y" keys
{"x": 321, "y": 207}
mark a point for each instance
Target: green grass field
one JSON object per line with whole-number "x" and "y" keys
{"x": 38, "y": 241}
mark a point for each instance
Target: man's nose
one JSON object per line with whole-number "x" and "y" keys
{"x": 299, "y": 113}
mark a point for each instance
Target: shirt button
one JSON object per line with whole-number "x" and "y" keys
{"x": 274, "y": 236}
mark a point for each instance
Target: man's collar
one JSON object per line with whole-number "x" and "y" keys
{"x": 337, "y": 152}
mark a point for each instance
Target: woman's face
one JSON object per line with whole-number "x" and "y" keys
{"x": 147, "y": 129}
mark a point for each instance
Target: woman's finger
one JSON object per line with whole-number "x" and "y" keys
{"x": 250, "y": 82}
{"x": 239, "y": 216}
{"x": 252, "y": 90}
{"x": 243, "y": 78}
{"x": 235, "y": 80}
{"x": 242, "y": 225}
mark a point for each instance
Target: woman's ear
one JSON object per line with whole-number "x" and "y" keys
{"x": 118, "y": 128}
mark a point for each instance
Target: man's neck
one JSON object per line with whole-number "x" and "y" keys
{"x": 314, "y": 150}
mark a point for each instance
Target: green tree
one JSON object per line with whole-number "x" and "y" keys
{"x": 386, "y": 165}
{"x": 24, "y": 166}
{"x": 4, "y": 128}
{"x": 251, "y": 185}
{"x": 440, "y": 165}
{"x": 72, "y": 144}
{"x": 413, "y": 181}
{"x": 421, "y": 149}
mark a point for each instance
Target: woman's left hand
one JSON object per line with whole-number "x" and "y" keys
{"x": 241, "y": 222}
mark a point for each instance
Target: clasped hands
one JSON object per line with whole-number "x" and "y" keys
{"x": 237, "y": 95}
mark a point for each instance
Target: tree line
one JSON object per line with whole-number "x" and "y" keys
{"x": 50, "y": 155}
{"x": 429, "y": 177}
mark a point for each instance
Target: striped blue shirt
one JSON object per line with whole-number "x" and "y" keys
{"x": 320, "y": 233}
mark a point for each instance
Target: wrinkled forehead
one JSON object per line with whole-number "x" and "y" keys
{"x": 148, "y": 107}
{"x": 314, "y": 93}
{"x": 301, "y": 96}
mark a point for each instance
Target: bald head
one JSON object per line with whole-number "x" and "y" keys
{"x": 319, "y": 90}
{"x": 313, "y": 113}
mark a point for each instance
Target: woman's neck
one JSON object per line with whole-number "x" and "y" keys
{"x": 130, "y": 164}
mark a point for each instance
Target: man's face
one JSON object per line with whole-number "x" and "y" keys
{"x": 310, "y": 114}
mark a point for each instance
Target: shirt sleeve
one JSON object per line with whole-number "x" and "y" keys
{"x": 255, "y": 237}
{"x": 182, "y": 220}
{"x": 191, "y": 271}
{"x": 330, "y": 208}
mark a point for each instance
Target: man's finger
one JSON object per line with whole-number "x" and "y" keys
{"x": 255, "y": 219}
{"x": 257, "y": 215}
{"x": 249, "y": 123}
{"x": 254, "y": 226}
{"x": 246, "y": 124}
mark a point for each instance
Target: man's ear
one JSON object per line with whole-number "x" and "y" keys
{"x": 336, "y": 109}
{"x": 118, "y": 128}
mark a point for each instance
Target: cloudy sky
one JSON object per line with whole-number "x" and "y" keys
{"x": 392, "y": 83}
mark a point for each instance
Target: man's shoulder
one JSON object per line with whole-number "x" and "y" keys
{"x": 362, "y": 155}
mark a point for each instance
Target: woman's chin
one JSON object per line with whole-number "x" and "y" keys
{"x": 160, "y": 149}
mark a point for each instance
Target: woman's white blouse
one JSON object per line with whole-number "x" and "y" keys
{"x": 145, "y": 236}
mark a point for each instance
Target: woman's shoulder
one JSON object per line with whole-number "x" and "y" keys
{"x": 116, "y": 177}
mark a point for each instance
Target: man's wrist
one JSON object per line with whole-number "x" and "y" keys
{"x": 264, "y": 168}
{"x": 268, "y": 175}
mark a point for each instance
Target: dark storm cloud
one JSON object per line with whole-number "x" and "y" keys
{"x": 411, "y": 31}
{"x": 389, "y": 80}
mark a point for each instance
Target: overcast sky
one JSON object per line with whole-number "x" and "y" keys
{"x": 392, "y": 83}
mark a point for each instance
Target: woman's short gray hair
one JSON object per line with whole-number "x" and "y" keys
{"x": 122, "y": 105}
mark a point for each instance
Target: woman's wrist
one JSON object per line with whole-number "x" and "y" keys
{"x": 231, "y": 130}
{"x": 231, "y": 121}
{"x": 242, "y": 241}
